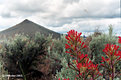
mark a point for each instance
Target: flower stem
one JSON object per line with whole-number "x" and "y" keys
{"x": 112, "y": 66}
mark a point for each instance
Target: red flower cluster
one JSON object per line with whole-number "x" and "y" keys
{"x": 119, "y": 41}
{"x": 75, "y": 43}
{"x": 113, "y": 57}
{"x": 112, "y": 53}
{"x": 82, "y": 63}
{"x": 86, "y": 67}
{"x": 82, "y": 58}
{"x": 83, "y": 66}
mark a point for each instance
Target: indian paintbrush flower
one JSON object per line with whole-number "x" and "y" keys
{"x": 119, "y": 40}
{"x": 75, "y": 43}
{"x": 84, "y": 66}
{"x": 113, "y": 56}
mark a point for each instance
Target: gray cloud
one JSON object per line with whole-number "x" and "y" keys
{"x": 6, "y": 15}
{"x": 71, "y": 1}
{"x": 89, "y": 25}
{"x": 61, "y": 9}
{"x": 29, "y": 6}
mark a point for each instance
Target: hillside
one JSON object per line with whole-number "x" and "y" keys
{"x": 29, "y": 28}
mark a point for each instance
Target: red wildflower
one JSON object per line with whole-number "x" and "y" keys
{"x": 82, "y": 57}
{"x": 75, "y": 43}
{"x": 118, "y": 54}
{"x": 102, "y": 64}
{"x": 112, "y": 53}
{"x": 119, "y": 40}
{"x": 67, "y": 46}
{"x": 113, "y": 56}
{"x": 111, "y": 50}
{"x": 103, "y": 59}
{"x": 84, "y": 66}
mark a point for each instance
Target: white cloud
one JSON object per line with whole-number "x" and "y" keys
{"x": 61, "y": 15}
{"x": 89, "y": 25}
{"x": 6, "y": 23}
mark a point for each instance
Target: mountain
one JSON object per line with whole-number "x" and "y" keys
{"x": 29, "y": 28}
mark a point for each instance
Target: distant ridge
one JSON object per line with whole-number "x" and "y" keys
{"x": 27, "y": 27}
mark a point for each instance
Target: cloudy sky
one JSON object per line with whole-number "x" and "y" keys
{"x": 62, "y": 15}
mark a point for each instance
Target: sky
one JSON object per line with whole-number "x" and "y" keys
{"x": 63, "y": 15}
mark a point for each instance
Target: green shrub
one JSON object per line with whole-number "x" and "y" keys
{"x": 20, "y": 54}
{"x": 98, "y": 42}
{"x": 3, "y": 72}
{"x": 97, "y": 45}
{"x": 60, "y": 59}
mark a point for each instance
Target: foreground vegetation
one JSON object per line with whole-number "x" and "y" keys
{"x": 70, "y": 58}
